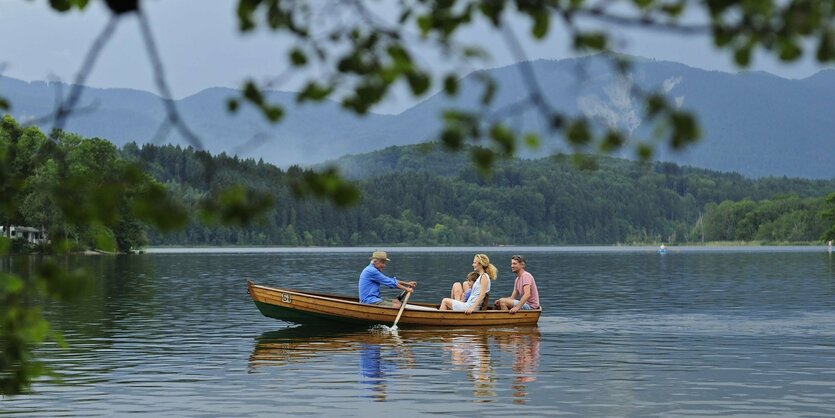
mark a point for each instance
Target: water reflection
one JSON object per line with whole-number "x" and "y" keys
{"x": 296, "y": 344}
{"x": 472, "y": 354}
{"x": 491, "y": 360}
{"x": 381, "y": 354}
{"x": 525, "y": 349}
{"x": 380, "y": 362}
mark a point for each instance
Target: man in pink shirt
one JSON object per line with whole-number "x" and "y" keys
{"x": 524, "y": 288}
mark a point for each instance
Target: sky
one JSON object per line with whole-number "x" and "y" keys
{"x": 205, "y": 49}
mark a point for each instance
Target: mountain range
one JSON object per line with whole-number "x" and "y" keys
{"x": 753, "y": 123}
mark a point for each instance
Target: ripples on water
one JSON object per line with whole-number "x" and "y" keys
{"x": 623, "y": 334}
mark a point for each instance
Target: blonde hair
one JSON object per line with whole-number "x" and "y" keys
{"x": 490, "y": 269}
{"x": 472, "y": 276}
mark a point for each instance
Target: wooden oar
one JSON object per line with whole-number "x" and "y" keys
{"x": 402, "y": 307}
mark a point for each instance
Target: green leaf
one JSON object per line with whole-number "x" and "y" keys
{"x": 483, "y": 158}
{"x": 645, "y": 152}
{"x": 424, "y": 23}
{"x": 103, "y": 238}
{"x": 327, "y": 184}
{"x": 5, "y": 245}
{"x": 298, "y": 58}
{"x": 62, "y": 246}
{"x": 418, "y": 82}
{"x": 246, "y": 9}
{"x": 63, "y": 284}
{"x": 742, "y": 56}
{"x": 155, "y": 206}
{"x": 405, "y": 16}
{"x": 119, "y": 7}
{"x": 315, "y": 92}
{"x": 489, "y": 88}
{"x": 612, "y": 141}
{"x": 578, "y": 132}
{"x": 10, "y": 284}
{"x": 365, "y": 96}
{"x": 4, "y": 104}
{"x": 541, "y": 21}
{"x": 655, "y": 105}
{"x": 504, "y": 137}
{"x": 722, "y": 36}
{"x": 277, "y": 17}
{"x": 60, "y": 5}
{"x": 826, "y": 47}
{"x": 532, "y": 140}
{"x": 254, "y": 95}
{"x": 591, "y": 40}
{"x": 273, "y": 113}
{"x": 452, "y": 138}
{"x": 232, "y": 105}
{"x": 790, "y": 51}
{"x": 492, "y": 10}
{"x": 674, "y": 9}
{"x": 685, "y": 129}
{"x": 236, "y": 205}
{"x": 400, "y": 56}
{"x": 451, "y": 85}
{"x": 474, "y": 52}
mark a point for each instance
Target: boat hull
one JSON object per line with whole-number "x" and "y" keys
{"x": 305, "y": 307}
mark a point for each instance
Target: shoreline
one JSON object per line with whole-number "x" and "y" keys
{"x": 616, "y": 248}
{"x": 671, "y": 249}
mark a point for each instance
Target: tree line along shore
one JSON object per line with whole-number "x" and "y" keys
{"x": 410, "y": 195}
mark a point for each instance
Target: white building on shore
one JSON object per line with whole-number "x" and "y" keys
{"x": 31, "y": 235}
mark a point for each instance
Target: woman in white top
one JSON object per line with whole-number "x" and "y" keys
{"x": 486, "y": 273}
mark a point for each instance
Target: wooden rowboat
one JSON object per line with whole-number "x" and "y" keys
{"x": 304, "y": 307}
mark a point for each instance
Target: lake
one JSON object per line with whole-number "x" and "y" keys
{"x": 624, "y": 332}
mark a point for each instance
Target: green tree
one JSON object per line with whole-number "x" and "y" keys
{"x": 81, "y": 193}
{"x": 828, "y": 214}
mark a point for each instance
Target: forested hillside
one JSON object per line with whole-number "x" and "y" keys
{"x": 411, "y": 195}
{"x": 418, "y": 197}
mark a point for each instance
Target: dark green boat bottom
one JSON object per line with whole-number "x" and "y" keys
{"x": 298, "y": 317}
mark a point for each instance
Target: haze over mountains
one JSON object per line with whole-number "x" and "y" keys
{"x": 756, "y": 123}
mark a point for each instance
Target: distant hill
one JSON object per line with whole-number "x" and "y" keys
{"x": 414, "y": 197}
{"x": 754, "y": 123}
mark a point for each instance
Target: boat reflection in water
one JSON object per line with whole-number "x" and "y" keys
{"x": 485, "y": 356}
{"x": 472, "y": 354}
{"x": 381, "y": 353}
{"x": 380, "y": 362}
{"x": 525, "y": 349}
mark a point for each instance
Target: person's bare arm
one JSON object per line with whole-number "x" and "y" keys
{"x": 525, "y": 296}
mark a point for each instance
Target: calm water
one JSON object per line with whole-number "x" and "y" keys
{"x": 726, "y": 332}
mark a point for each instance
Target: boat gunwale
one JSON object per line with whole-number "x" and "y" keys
{"x": 353, "y": 301}
{"x": 333, "y": 298}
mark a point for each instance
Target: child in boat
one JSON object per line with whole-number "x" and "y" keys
{"x": 481, "y": 287}
{"x": 461, "y": 291}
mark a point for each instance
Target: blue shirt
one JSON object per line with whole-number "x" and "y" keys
{"x": 370, "y": 281}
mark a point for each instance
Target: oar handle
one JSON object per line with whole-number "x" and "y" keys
{"x": 402, "y": 307}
